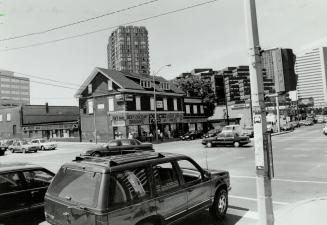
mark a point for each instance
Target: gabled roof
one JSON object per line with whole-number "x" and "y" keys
{"x": 124, "y": 80}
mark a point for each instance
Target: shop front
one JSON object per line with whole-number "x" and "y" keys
{"x": 199, "y": 124}
{"x": 141, "y": 125}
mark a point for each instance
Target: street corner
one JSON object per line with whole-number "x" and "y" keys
{"x": 312, "y": 211}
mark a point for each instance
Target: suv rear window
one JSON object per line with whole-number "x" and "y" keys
{"x": 76, "y": 186}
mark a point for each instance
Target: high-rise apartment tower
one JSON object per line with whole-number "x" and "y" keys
{"x": 128, "y": 50}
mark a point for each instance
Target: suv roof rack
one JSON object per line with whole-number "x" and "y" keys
{"x": 120, "y": 159}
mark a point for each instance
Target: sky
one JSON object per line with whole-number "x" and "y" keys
{"x": 207, "y": 36}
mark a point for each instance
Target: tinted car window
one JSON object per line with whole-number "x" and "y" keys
{"x": 114, "y": 143}
{"x": 165, "y": 177}
{"x": 10, "y": 182}
{"x": 229, "y": 135}
{"x": 189, "y": 171}
{"x": 37, "y": 178}
{"x": 77, "y": 186}
{"x": 125, "y": 142}
{"x": 128, "y": 186}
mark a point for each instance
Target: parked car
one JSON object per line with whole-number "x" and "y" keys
{"x": 44, "y": 144}
{"x": 3, "y": 147}
{"x": 324, "y": 130}
{"x": 308, "y": 122}
{"x": 135, "y": 189}
{"x": 191, "y": 135}
{"x": 248, "y": 131}
{"x": 287, "y": 127}
{"x": 212, "y": 133}
{"x": 302, "y": 122}
{"x": 22, "y": 190}
{"x": 226, "y": 138}
{"x": 22, "y": 146}
{"x": 118, "y": 147}
{"x": 295, "y": 124}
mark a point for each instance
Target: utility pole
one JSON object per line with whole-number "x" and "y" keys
{"x": 261, "y": 138}
{"x": 278, "y": 114}
{"x": 94, "y": 121}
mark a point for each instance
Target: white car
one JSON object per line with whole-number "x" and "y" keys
{"x": 44, "y": 144}
{"x": 324, "y": 130}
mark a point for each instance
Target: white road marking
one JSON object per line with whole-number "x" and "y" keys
{"x": 254, "y": 199}
{"x": 284, "y": 180}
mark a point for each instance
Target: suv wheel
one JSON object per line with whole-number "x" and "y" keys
{"x": 209, "y": 144}
{"x": 42, "y": 148}
{"x": 219, "y": 208}
{"x": 24, "y": 150}
{"x": 236, "y": 144}
{"x": 96, "y": 154}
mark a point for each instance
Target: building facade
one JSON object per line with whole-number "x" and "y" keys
{"x": 128, "y": 50}
{"x": 40, "y": 121}
{"x": 312, "y": 76}
{"x": 116, "y": 104}
{"x": 14, "y": 91}
{"x": 279, "y": 64}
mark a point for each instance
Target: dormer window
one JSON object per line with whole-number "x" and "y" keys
{"x": 165, "y": 86}
{"x": 145, "y": 83}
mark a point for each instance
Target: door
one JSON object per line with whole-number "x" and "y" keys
{"x": 14, "y": 199}
{"x": 198, "y": 189}
{"x": 37, "y": 182}
{"x": 219, "y": 139}
{"x": 229, "y": 138}
{"x": 172, "y": 199}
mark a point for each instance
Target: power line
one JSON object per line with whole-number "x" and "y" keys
{"x": 109, "y": 28}
{"x": 79, "y": 21}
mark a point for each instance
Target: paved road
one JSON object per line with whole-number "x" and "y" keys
{"x": 300, "y": 159}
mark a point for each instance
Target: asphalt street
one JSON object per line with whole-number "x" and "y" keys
{"x": 300, "y": 163}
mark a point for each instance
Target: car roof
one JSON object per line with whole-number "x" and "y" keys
{"x": 118, "y": 162}
{"x": 14, "y": 166}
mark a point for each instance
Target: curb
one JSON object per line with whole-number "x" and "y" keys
{"x": 284, "y": 132}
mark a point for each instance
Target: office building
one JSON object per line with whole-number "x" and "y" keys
{"x": 14, "y": 91}
{"x": 279, "y": 64}
{"x": 312, "y": 76}
{"x": 128, "y": 50}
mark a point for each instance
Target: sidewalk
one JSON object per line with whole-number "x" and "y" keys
{"x": 308, "y": 212}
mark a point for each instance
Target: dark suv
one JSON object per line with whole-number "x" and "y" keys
{"x": 145, "y": 188}
{"x": 22, "y": 190}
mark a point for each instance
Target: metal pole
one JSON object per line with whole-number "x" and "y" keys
{"x": 264, "y": 192}
{"x": 277, "y": 112}
{"x": 95, "y": 127}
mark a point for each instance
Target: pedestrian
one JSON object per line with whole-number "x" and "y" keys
{"x": 161, "y": 136}
{"x": 130, "y": 135}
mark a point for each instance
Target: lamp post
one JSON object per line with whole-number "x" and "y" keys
{"x": 155, "y": 100}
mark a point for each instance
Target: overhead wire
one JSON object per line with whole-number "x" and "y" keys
{"x": 111, "y": 27}
{"x": 79, "y": 21}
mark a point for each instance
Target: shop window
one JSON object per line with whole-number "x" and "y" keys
{"x": 187, "y": 109}
{"x": 90, "y": 106}
{"x": 201, "y": 109}
{"x": 165, "y": 104}
{"x": 138, "y": 102}
{"x": 152, "y": 103}
{"x": 111, "y": 106}
{"x": 8, "y": 116}
{"x": 109, "y": 85}
{"x": 175, "y": 104}
{"x": 195, "y": 109}
{"x": 89, "y": 89}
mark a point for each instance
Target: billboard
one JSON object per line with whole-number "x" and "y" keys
{"x": 308, "y": 102}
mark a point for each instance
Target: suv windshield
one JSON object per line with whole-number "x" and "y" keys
{"x": 76, "y": 186}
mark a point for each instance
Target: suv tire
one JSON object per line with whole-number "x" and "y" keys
{"x": 209, "y": 144}
{"x": 236, "y": 144}
{"x": 96, "y": 154}
{"x": 220, "y": 204}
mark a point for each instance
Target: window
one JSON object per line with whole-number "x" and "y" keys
{"x": 109, "y": 85}
{"x": 201, "y": 109}
{"x": 0, "y": 117}
{"x": 175, "y": 104}
{"x": 125, "y": 142}
{"x": 8, "y": 116}
{"x": 191, "y": 174}
{"x": 165, "y": 104}
{"x": 128, "y": 187}
{"x": 165, "y": 177}
{"x": 195, "y": 109}
{"x": 89, "y": 89}
{"x": 151, "y": 103}
{"x": 100, "y": 106}
{"x": 10, "y": 182}
{"x": 90, "y": 106}
{"x": 138, "y": 102}
{"x": 37, "y": 178}
{"x": 111, "y": 106}
{"x": 188, "y": 109}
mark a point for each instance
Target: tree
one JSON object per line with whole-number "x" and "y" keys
{"x": 194, "y": 86}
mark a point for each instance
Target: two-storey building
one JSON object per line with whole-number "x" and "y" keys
{"x": 115, "y": 104}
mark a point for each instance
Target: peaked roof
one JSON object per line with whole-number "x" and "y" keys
{"x": 121, "y": 78}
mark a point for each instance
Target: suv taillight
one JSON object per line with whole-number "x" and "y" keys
{"x": 101, "y": 220}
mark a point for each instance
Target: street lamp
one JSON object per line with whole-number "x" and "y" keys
{"x": 155, "y": 100}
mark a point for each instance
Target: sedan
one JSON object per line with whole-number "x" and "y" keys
{"x": 191, "y": 135}
{"x": 212, "y": 133}
{"x": 44, "y": 144}
{"x": 287, "y": 127}
{"x": 3, "y": 148}
{"x": 23, "y": 146}
{"x": 226, "y": 138}
{"x": 248, "y": 131}
{"x": 118, "y": 147}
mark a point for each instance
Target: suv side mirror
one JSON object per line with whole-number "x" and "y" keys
{"x": 207, "y": 175}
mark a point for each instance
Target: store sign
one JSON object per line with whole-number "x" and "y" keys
{"x": 159, "y": 104}
{"x": 51, "y": 127}
{"x": 167, "y": 118}
{"x": 137, "y": 119}
{"x": 118, "y": 123}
